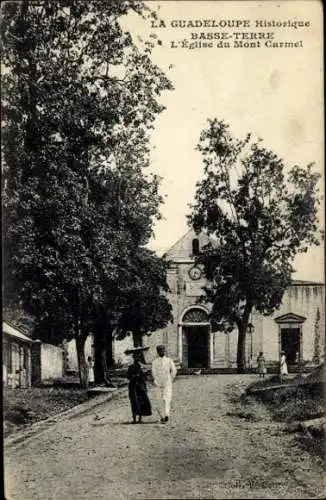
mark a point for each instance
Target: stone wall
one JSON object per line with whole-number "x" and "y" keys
{"x": 303, "y": 300}
{"x": 71, "y": 353}
{"x": 51, "y": 362}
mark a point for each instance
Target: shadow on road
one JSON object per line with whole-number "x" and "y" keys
{"x": 101, "y": 424}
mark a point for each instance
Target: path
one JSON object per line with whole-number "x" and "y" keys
{"x": 201, "y": 453}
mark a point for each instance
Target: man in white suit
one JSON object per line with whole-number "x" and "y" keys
{"x": 163, "y": 372}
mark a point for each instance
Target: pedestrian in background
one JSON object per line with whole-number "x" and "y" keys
{"x": 283, "y": 366}
{"x": 90, "y": 371}
{"x": 4, "y": 374}
{"x": 261, "y": 365}
{"x": 163, "y": 372}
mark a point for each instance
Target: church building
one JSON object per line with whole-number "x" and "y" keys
{"x": 297, "y": 327}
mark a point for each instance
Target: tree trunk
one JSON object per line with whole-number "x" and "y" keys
{"x": 109, "y": 349}
{"x": 80, "y": 347}
{"x": 241, "y": 352}
{"x": 80, "y": 338}
{"x": 242, "y": 330}
{"x": 102, "y": 344}
{"x": 98, "y": 366}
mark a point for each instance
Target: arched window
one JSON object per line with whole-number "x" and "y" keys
{"x": 195, "y": 315}
{"x": 195, "y": 246}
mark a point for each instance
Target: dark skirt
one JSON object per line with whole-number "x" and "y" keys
{"x": 140, "y": 404}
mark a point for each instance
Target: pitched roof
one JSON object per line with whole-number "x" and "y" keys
{"x": 307, "y": 283}
{"x": 290, "y": 318}
{"x": 13, "y": 332}
{"x": 181, "y": 250}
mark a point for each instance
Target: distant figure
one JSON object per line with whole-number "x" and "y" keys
{"x": 261, "y": 365}
{"x": 283, "y": 366}
{"x": 140, "y": 404}
{"x": 250, "y": 363}
{"x": 90, "y": 371}
{"x": 163, "y": 372}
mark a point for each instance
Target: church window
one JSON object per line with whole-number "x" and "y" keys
{"x": 195, "y": 316}
{"x": 195, "y": 246}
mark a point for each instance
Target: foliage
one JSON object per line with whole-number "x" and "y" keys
{"x": 143, "y": 305}
{"x": 79, "y": 101}
{"x": 259, "y": 219}
{"x": 317, "y": 347}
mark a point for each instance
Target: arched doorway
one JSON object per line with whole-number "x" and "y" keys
{"x": 195, "y": 338}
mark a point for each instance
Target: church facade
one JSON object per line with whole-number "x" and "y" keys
{"x": 297, "y": 327}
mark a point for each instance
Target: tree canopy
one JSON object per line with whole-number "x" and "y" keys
{"x": 80, "y": 99}
{"x": 143, "y": 302}
{"x": 260, "y": 214}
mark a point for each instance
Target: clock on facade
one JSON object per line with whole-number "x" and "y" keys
{"x": 195, "y": 273}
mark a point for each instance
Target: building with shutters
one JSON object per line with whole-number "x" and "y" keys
{"x": 27, "y": 361}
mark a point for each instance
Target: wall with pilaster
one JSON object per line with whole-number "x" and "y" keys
{"x": 303, "y": 300}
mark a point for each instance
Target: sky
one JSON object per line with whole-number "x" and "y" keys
{"x": 274, "y": 93}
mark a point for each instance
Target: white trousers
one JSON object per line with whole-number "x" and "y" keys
{"x": 162, "y": 399}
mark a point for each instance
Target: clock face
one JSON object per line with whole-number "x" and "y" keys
{"x": 195, "y": 273}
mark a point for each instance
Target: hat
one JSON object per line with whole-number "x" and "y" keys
{"x": 135, "y": 350}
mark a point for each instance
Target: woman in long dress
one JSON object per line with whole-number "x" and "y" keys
{"x": 283, "y": 366}
{"x": 261, "y": 365}
{"x": 140, "y": 404}
{"x": 90, "y": 371}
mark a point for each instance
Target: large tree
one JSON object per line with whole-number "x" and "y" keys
{"x": 144, "y": 307}
{"x": 79, "y": 101}
{"x": 136, "y": 273}
{"x": 259, "y": 214}
{"x": 135, "y": 304}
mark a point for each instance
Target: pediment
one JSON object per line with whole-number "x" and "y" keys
{"x": 290, "y": 318}
{"x": 182, "y": 249}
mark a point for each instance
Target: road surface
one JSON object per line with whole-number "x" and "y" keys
{"x": 203, "y": 452}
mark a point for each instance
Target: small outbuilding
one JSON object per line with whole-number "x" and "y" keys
{"x": 16, "y": 357}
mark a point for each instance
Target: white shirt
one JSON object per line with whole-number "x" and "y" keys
{"x": 163, "y": 371}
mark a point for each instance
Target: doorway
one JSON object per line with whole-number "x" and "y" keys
{"x": 196, "y": 346}
{"x": 290, "y": 344}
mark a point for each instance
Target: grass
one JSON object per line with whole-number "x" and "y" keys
{"x": 297, "y": 400}
{"x": 298, "y": 405}
{"x": 244, "y": 406}
{"x": 22, "y": 407}
{"x": 265, "y": 382}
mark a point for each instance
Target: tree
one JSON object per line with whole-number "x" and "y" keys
{"x": 317, "y": 347}
{"x": 80, "y": 100}
{"x": 135, "y": 304}
{"x": 259, "y": 216}
{"x": 144, "y": 308}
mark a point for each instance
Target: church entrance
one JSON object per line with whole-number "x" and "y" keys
{"x": 290, "y": 344}
{"x": 195, "y": 350}
{"x": 195, "y": 330}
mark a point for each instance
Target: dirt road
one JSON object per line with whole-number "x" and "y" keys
{"x": 203, "y": 452}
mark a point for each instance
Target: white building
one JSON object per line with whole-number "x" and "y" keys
{"x": 296, "y": 327}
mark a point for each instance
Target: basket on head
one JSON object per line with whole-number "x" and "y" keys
{"x": 135, "y": 350}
